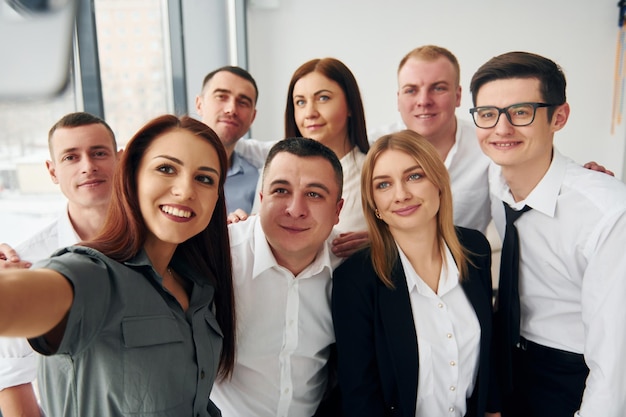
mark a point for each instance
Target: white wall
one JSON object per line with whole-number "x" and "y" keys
{"x": 371, "y": 36}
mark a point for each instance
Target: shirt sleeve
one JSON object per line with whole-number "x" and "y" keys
{"x": 604, "y": 315}
{"x": 254, "y": 151}
{"x": 88, "y": 273}
{"x": 353, "y": 318}
{"x": 18, "y": 362}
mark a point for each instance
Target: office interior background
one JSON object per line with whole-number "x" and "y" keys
{"x": 136, "y": 59}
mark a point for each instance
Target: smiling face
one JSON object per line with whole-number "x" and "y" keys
{"x": 177, "y": 182}
{"x": 321, "y": 110}
{"x": 523, "y": 149}
{"x": 227, "y": 105}
{"x": 428, "y": 95}
{"x": 406, "y": 200}
{"x": 299, "y": 206}
{"x": 83, "y": 162}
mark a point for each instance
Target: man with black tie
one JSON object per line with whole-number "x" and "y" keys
{"x": 560, "y": 333}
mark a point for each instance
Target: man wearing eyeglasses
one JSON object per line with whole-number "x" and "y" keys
{"x": 567, "y": 358}
{"x": 429, "y": 92}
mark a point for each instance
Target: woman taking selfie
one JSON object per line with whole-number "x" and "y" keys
{"x": 140, "y": 320}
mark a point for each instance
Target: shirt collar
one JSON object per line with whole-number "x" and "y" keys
{"x": 235, "y": 167}
{"x": 543, "y": 197}
{"x": 448, "y": 278}
{"x": 141, "y": 262}
{"x": 67, "y": 235}
{"x": 455, "y": 147}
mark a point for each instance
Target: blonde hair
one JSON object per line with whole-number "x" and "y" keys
{"x": 382, "y": 245}
{"x": 432, "y": 53}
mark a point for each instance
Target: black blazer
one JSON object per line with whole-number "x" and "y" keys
{"x": 376, "y": 339}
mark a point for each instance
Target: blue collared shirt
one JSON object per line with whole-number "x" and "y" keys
{"x": 240, "y": 186}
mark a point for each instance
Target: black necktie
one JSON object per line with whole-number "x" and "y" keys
{"x": 508, "y": 288}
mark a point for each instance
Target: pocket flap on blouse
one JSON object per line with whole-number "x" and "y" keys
{"x": 150, "y": 330}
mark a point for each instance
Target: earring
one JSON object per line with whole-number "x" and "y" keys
{"x": 377, "y": 213}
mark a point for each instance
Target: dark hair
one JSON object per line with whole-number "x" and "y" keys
{"x": 337, "y": 71}
{"x": 306, "y": 148}
{"x": 124, "y": 231}
{"x": 78, "y": 119}
{"x": 524, "y": 65}
{"x": 238, "y": 71}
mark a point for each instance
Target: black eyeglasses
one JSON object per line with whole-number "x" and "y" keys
{"x": 520, "y": 114}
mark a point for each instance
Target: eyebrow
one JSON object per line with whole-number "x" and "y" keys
{"x": 91, "y": 148}
{"x": 413, "y": 168}
{"x": 317, "y": 93}
{"x": 179, "y": 162}
{"x": 75, "y": 148}
{"x": 309, "y": 185}
{"x": 240, "y": 96}
{"x": 434, "y": 83}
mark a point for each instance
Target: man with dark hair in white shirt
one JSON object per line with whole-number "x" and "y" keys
{"x": 282, "y": 267}
{"x": 561, "y": 349}
{"x": 429, "y": 92}
{"x": 83, "y": 156}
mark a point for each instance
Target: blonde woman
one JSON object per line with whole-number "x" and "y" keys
{"x": 412, "y": 313}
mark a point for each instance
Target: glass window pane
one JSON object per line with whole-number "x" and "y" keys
{"x": 28, "y": 198}
{"x": 133, "y": 53}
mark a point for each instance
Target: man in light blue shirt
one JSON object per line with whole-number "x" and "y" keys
{"x": 227, "y": 104}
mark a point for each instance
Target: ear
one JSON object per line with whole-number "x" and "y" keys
{"x": 398, "y": 100}
{"x": 52, "y": 171}
{"x": 458, "y": 96}
{"x": 199, "y": 105}
{"x": 339, "y": 207}
{"x": 118, "y": 154}
{"x": 261, "y": 196}
{"x": 560, "y": 116}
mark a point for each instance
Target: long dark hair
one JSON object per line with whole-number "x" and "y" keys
{"x": 337, "y": 71}
{"x": 124, "y": 231}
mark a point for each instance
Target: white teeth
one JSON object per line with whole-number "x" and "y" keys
{"x": 176, "y": 212}
{"x": 505, "y": 145}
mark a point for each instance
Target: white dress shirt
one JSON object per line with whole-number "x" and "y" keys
{"x": 18, "y": 361}
{"x": 448, "y": 340}
{"x": 468, "y": 169}
{"x": 351, "y": 217}
{"x": 573, "y": 272}
{"x": 284, "y": 330}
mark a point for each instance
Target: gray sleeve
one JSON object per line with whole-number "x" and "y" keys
{"x": 87, "y": 271}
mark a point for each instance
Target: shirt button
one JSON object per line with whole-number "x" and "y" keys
{"x": 202, "y": 374}
{"x": 449, "y": 335}
{"x": 452, "y": 388}
{"x": 440, "y": 305}
{"x": 286, "y": 391}
{"x": 452, "y": 363}
{"x": 451, "y": 409}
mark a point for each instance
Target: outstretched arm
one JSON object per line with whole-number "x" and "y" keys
{"x": 19, "y": 401}
{"x": 33, "y": 302}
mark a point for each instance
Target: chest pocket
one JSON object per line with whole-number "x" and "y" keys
{"x": 152, "y": 345}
